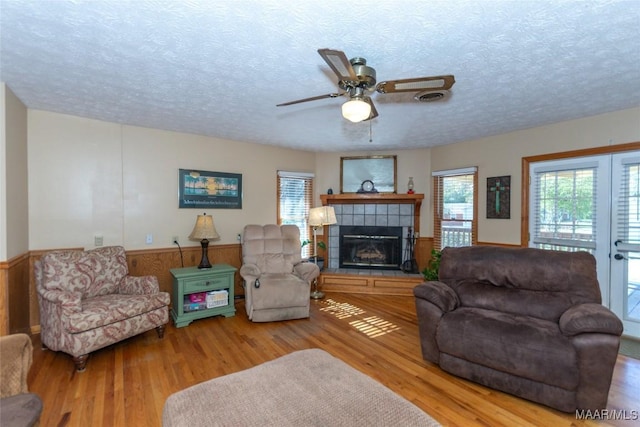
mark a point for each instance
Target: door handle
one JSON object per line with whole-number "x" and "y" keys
{"x": 619, "y": 256}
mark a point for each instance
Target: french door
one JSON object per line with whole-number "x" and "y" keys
{"x": 625, "y": 245}
{"x": 593, "y": 204}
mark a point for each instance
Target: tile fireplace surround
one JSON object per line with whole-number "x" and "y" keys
{"x": 386, "y": 210}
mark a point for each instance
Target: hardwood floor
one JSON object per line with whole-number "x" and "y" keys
{"x": 127, "y": 384}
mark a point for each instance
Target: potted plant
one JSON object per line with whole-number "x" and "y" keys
{"x": 430, "y": 272}
{"x": 316, "y": 258}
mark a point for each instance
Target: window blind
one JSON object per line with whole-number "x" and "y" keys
{"x": 565, "y": 208}
{"x": 629, "y": 204}
{"x": 295, "y": 198}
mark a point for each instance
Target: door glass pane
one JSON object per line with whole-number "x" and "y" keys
{"x": 565, "y": 209}
{"x": 629, "y": 205}
{"x": 628, "y": 239}
{"x": 632, "y": 292}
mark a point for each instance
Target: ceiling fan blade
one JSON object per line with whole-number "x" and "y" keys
{"x": 418, "y": 84}
{"x": 339, "y": 63}
{"x": 313, "y": 98}
{"x": 374, "y": 112}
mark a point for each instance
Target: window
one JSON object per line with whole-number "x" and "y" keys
{"x": 295, "y": 198}
{"x": 455, "y": 208}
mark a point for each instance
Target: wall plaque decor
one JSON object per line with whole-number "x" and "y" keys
{"x": 499, "y": 197}
{"x": 203, "y": 189}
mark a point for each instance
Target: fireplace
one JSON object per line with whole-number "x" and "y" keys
{"x": 370, "y": 247}
{"x": 371, "y": 210}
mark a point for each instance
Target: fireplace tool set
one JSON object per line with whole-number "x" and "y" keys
{"x": 409, "y": 265}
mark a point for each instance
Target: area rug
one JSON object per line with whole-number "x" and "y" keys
{"x": 303, "y": 388}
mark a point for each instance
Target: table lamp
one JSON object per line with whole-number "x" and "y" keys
{"x": 203, "y": 231}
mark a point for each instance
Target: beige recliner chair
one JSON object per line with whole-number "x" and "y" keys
{"x": 277, "y": 283}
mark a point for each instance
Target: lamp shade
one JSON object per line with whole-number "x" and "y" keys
{"x": 204, "y": 228}
{"x": 356, "y": 110}
{"x": 324, "y": 215}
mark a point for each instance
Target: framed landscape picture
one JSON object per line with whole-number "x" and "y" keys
{"x": 203, "y": 189}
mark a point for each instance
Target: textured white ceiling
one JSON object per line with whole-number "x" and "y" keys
{"x": 220, "y": 67}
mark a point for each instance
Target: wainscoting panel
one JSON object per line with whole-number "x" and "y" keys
{"x": 14, "y": 295}
{"x": 4, "y": 299}
{"x": 158, "y": 262}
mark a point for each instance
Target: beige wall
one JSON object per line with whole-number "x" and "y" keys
{"x": 14, "y": 225}
{"x": 494, "y": 156}
{"x": 89, "y": 178}
{"x": 501, "y": 155}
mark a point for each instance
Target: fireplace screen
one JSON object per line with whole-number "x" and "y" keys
{"x": 370, "y": 247}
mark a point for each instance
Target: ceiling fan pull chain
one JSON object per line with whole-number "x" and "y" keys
{"x": 370, "y": 137}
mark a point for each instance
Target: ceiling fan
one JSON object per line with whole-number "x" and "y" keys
{"x": 357, "y": 79}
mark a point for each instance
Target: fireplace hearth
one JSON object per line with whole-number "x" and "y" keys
{"x": 375, "y": 247}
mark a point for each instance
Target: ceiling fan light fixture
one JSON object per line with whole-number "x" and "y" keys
{"x": 356, "y": 79}
{"x": 356, "y": 110}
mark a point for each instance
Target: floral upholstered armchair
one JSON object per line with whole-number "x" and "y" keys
{"x": 88, "y": 301}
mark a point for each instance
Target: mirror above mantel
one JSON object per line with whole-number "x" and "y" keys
{"x": 380, "y": 171}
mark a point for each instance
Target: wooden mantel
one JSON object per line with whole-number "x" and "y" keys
{"x": 328, "y": 199}
{"x": 376, "y": 198}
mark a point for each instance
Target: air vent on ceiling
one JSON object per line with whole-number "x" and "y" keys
{"x": 431, "y": 95}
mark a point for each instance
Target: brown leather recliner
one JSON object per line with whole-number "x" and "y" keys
{"x": 277, "y": 283}
{"x": 525, "y": 321}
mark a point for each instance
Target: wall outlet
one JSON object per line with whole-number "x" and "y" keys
{"x": 239, "y": 237}
{"x": 149, "y": 239}
{"x": 174, "y": 240}
{"x": 98, "y": 240}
